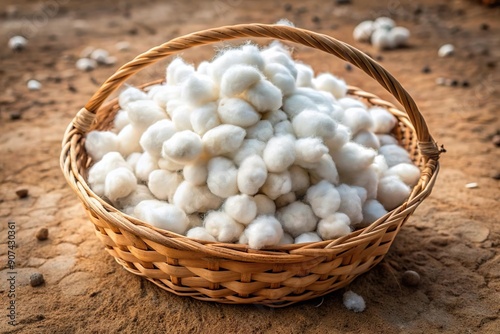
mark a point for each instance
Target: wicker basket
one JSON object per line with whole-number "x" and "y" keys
{"x": 231, "y": 273}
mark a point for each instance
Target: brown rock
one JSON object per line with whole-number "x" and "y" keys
{"x": 22, "y": 193}
{"x": 36, "y": 279}
{"x": 42, "y": 234}
{"x": 411, "y": 278}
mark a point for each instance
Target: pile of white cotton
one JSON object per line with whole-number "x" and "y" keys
{"x": 253, "y": 148}
{"x": 381, "y": 33}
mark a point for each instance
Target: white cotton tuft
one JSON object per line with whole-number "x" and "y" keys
{"x": 265, "y": 205}
{"x": 153, "y": 138}
{"x": 285, "y": 199}
{"x": 281, "y": 77}
{"x": 237, "y": 112}
{"x": 128, "y": 140}
{"x": 363, "y": 31}
{"x": 383, "y": 120}
{"x": 362, "y": 193}
{"x": 181, "y": 117}
{"x": 163, "y": 184}
{"x": 144, "y": 113}
{"x": 183, "y": 147}
{"x": 120, "y": 121}
{"x": 309, "y": 149}
{"x": 296, "y": 103}
{"x": 351, "y": 102}
{"x": 225, "y": 138}
{"x": 178, "y": 72}
{"x": 246, "y": 55}
{"x": 307, "y": 237}
{"x": 198, "y": 89}
{"x": 372, "y": 210}
{"x": 353, "y": 157}
{"x": 399, "y": 36}
{"x": 169, "y": 165}
{"x": 305, "y": 75}
{"x": 200, "y": 233}
{"x": 297, "y": 218}
{"x": 145, "y": 165}
{"x": 98, "y": 172}
{"x": 277, "y": 184}
{"x": 222, "y": 177}
{"x": 367, "y": 139}
{"x": 262, "y": 131}
{"x": 98, "y": 143}
{"x": 387, "y": 140}
{"x": 324, "y": 199}
{"x": 221, "y": 226}
{"x": 446, "y": 50}
{"x": 279, "y": 153}
{"x": 128, "y": 203}
{"x": 191, "y": 198}
{"x": 334, "y": 226}
{"x": 248, "y": 148}
{"x": 163, "y": 94}
{"x": 350, "y": 203}
{"x": 263, "y": 231}
{"x": 204, "y": 118}
{"x": 274, "y": 116}
{"x": 357, "y": 119}
{"x": 241, "y": 208}
{"x": 162, "y": 215}
{"x": 382, "y": 40}
{"x": 119, "y": 183}
{"x": 196, "y": 173}
{"x": 237, "y": 79}
{"x": 366, "y": 178}
{"x": 252, "y": 175}
{"x": 131, "y": 94}
{"x": 195, "y": 220}
{"x": 392, "y": 192}
{"x": 329, "y": 83}
{"x": 408, "y": 173}
{"x": 277, "y": 54}
{"x": 310, "y": 123}
{"x": 384, "y": 22}
{"x": 342, "y": 136}
{"x": 380, "y": 165}
{"x": 300, "y": 180}
{"x": 394, "y": 155}
{"x": 17, "y": 43}
{"x": 264, "y": 96}
{"x": 284, "y": 128}
{"x": 354, "y": 302}
{"x": 325, "y": 169}
{"x": 286, "y": 239}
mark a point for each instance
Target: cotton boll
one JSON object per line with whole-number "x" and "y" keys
{"x": 178, "y": 72}
{"x": 196, "y": 173}
{"x": 367, "y": 139}
{"x": 296, "y": 103}
{"x": 200, "y": 233}
{"x": 307, "y": 237}
{"x": 362, "y": 193}
{"x": 119, "y": 183}
{"x": 332, "y": 84}
{"x": 394, "y": 155}
{"x": 286, "y": 239}
{"x": 285, "y": 199}
{"x": 204, "y": 118}
{"x": 324, "y": 199}
{"x": 363, "y": 31}
{"x": 243, "y": 240}
{"x": 274, "y": 116}
{"x": 241, "y": 208}
{"x": 263, "y": 231}
{"x": 380, "y": 165}
{"x": 279, "y": 153}
{"x": 153, "y": 138}
{"x": 225, "y": 138}
{"x": 334, "y": 226}
{"x": 120, "y": 121}
{"x": 279, "y": 55}
{"x": 98, "y": 143}
{"x": 351, "y": 102}
{"x": 300, "y": 180}
{"x": 366, "y": 178}
{"x": 325, "y": 170}
{"x": 313, "y": 124}
{"x": 353, "y": 157}
{"x": 392, "y": 192}
{"x": 284, "y": 128}
{"x": 246, "y": 55}
{"x": 183, "y": 147}
{"x": 18, "y": 43}
{"x": 163, "y": 184}
{"x": 354, "y": 302}
{"x": 340, "y": 138}
{"x": 237, "y": 112}
{"x": 277, "y": 184}
{"x": 251, "y": 56}
{"x": 221, "y": 226}
{"x": 165, "y": 93}
{"x": 237, "y": 79}
{"x": 399, "y": 36}
{"x": 144, "y": 113}
{"x": 264, "y": 96}
{"x": 128, "y": 140}
{"x": 145, "y": 165}
{"x": 385, "y": 23}
{"x": 262, "y": 131}
{"x": 181, "y": 117}
{"x": 408, "y": 173}
{"x": 195, "y": 220}
{"x": 98, "y": 171}
{"x": 372, "y": 210}
{"x": 248, "y": 148}
{"x": 128, "y": 203}
{"x": 175, "y": 103}
{"x": 198, "y": 89}
{"x": 381, "y": 39}
{"x": 99, "y": 55}
{"x": 383, "y": 120}
{"x": 281, "y": 77}
{"x": 252, "y": 175}
{"x": 191, "y": 198}
{"x": 305, "y": 75}
{"x": 222, "y": 177}
{"x": 387, "y": 140}
{"x": 130, "y": 94}
{"x": 265, "y": 205}
{"x": 357, "y": 119}
{"x": 132, "y": 160}
{"x": 203, "y": 67}
{"x": 310, "y": 149}
{"x": 446, "y": 50}
{"x": 350, "y": 203}
{"x": 86, "y": 64}
{"x": 297, "y": 218}
{"x": 167, "y": 164}
{"x": 163, "y": 215}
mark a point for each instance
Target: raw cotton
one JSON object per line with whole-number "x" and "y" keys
{"x": 354, "y": 302}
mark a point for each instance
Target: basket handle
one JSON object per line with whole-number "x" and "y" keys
{"x": 428, "y": 148}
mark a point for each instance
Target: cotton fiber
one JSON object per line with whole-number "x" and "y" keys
{"x": 372, "y": 210}
{"x": 307, "y": 237}
{"x": 223, "y": 139}
{"x": 296, "y": 103}
{"x": 241, "y": 208}
{"x": 392, "y": 192}
{"x": 281, "y": 77}
{"x": 181, "y": 117}
{"x": 167, "y": 164}
{"x": 350, "y": 203}
{"x": 178, "y": 72}
{"x": 130, "y": 94}
{"x": 264, "y": 96}
{"x": 252, "y": 175}
{"x": 162, "y": 215}
{"x": 300, "y": 180}
{"x": 237, "y": 112}
{"x": 353, "y": 157}
{"x": 394, "y": 155}
{"x": 324, "y": 199}
{"x": 284, "y": 128}
{"x": 313, "y": 124}
{"x": 367, "y": 139}
{"x": 143, "y": 113}
{"x": 263, "y": 231}
{"x": 248, "y": 148}
{"x": 222, "y": 227}
{"x": 200, "y": 233}
{"x": 274, "y": 116}
{"x": 145, "y": 165}
{"x": 222, "y": 177}
{"x": 196, "y": 173}
{"x": 204, "y": 118}
{"x": 191, "y": 198}
{"x": 279, "y": 153}
{"x": 119, "y": 183}
{"x": 285, "y": 199}
{"x": 277, "y": 184}
{"x": 262, "y": 131}
{"x": 334, "y": 226}
{"x": 383, "y": 120}
{"x": 198, "y": 89}
{"x": 310, "y": 149}
{"x": 357, "y": 119}
{"x": 183, "y": 147}
{"x": 325, "y": 170}
{"x": 286, "y": 239}
{"x": 163, "y": 184}
{"x": 128, "y": 203}
{"x": 128, "y": 140}
{"x": 238, "y": 79}
{"x": 98, "y": 143}
{"x": 329, "y": 83}
{"x": 153, "y": 138}
{"x": 297, "y": 218}
{"x": 408, "y": 173}
{"x": 354, "y": 302}
{"x": 120, "y": 121}
{"x": 265, "y": 205}
{"x": 305, "y": 75}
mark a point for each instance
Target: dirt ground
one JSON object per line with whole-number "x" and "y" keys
{"x": 452, "y": 240}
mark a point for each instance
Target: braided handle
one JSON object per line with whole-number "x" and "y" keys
{"x": 322, "y": 42}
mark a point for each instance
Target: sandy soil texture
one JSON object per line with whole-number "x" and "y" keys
{"x": 452, "y": 240}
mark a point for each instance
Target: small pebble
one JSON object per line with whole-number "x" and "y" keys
{"x": 34, "y": 85}
{"x": 379, "y": 58}
{"x": 485, "y": 26}
{"x": 472, "y": 185}
{"x": 446, "y": 50}
{"x": 15, "y": 115}
{"x": 122, "y": 46}
{"x": 496, "y": 176}
{"x": 496, "y": 140}
{"x": 86, "y": 64}
{"x": 22, "y": 193}
{"x": 110, "y": 61}
{"x": 465, "y": 83}
{"x": 426, "y": 69}
{"x": 411, "y": 278}
{"x": 453, "y": 83}
{"x": 87, "y": 52}
{"x": 99, "y": 55}
{"x": 42, "y": 234}
{"x": 288, "y": 7}
{"x": 441, "y": 81}
{"x": 343, "y": 2}
{"x": 36, "y": 279}
{"x": 316, "y": 19}
{"x": 18, "y": 43}
{"x": 348, "y": 67}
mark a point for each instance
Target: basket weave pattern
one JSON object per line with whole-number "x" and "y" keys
{"x": 231, "y": 273}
